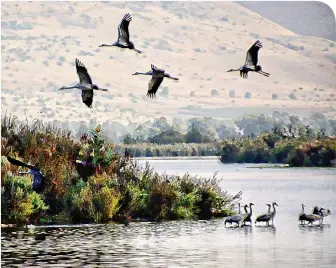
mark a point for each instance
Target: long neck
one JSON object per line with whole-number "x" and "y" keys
{"x": 148, "y": 73}
{"x": 245, "y": 208}
{"x": 238, "y": 208}
{"x": 68, "y": 87}
{"x": 105, "y": 45}
{"x": 250, "y": 209}
{"x": 233, "y": 70}
{"x": 274, "y": 211}
{"x": 302, "y": 208}
{"x": 269, "y": 209}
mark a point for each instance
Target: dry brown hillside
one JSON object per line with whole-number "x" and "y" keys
{"x": 195, "y": 41}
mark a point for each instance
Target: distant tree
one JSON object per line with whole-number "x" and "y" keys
{"x": 232, "y": 93}
{"x": 292, "y": 96}
{"x": 214, "y": 93}
{"x": 194, "y": 135}
{"x": 248, "y": 95}
{"x": 128, "y": 139}
{"x": 274, "y": 96}
{"x": 168, "y": 137}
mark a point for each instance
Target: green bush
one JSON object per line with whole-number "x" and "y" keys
{"x": 275, "y": 147}
{"x": 111, "y": 188}
{"x": 19, "y": 203}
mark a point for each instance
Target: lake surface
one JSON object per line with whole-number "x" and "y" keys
{"x": 198, "y": 243}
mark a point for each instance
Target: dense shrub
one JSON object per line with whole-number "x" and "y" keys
{"x": 168, "y": 137}
{"x": 214, "y": 93}
{"x": 232, "y": 93}
{"x": 292, "y": 96}
{"x": 274, "y": 96}
{"x": 248, "y": 95}
{"x": 19, "y": 203}
{"x": 110, "y": 187}
{"x": 178, "y": 149}
{"x": 275, "y": 147}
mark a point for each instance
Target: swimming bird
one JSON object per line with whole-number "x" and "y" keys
{"x": 315, "y": 217}
{"x": 157, "y": 78}
{"x": 274, "y": 211}
{"x": 265, "y": 217}
{"x": 38, "y": 181}
{"x": 251, "y": 62}
{"x": 302, "y": 215}
{"x": 85, "y": 84}
{"x": 248, "y": 216}
{"x": 324, "y": 213}
{"x": 234, "y": 218}
{"x": 123, "y": 35}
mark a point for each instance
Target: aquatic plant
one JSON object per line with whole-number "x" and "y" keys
{"x": 110, "y": 187}
{"x": 146, "y": 149}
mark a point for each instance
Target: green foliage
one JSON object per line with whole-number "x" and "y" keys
{"x": 168, "y": 137}
{"x": 112, "y": 187}
{"x": 276, "y": 147}
{"x": 179, "y": 149}
{"x": 19, "y": 203}
{"x": 96, "y": 200}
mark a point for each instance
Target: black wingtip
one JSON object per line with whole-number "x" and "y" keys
{"x": 127, "y": 17}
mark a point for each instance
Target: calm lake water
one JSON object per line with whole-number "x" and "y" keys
{"x": 197, "y": 243}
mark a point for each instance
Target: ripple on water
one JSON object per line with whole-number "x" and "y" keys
{"x": 197, "y": 243}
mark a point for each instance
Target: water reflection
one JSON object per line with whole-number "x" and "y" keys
{"x": 195, "y": 243}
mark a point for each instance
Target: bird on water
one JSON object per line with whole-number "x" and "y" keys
{"x": 317, "y": 215}
{"x": 85, "y": 84}
{"x": 324, "y": 213}
{"x": 234, "y": 218}
{"x": 123, "y": 35}
{"x": 248, "y": 215}
{"x": 302, "y": 215}
{"x": 251, "y": 62}
{"x": 157, "y": 78}
{"x": 269, "y": 216}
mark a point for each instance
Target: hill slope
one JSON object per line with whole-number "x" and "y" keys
{"x": 197, "y": 42}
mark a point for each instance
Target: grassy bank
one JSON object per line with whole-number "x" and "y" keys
{"x": 146, "y": 149}
{"x": 87, "y": 181}
{"x": 272, "y": 147}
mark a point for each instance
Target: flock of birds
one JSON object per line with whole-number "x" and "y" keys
{"x": 241, "y": 219}
{"x": 87, "y": 87}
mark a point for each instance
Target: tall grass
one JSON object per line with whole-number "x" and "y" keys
{"x": 145, "y": 149}
{"x": 88, "y": 181}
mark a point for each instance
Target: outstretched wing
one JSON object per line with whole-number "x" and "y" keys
{"x": 84, "y": 77}
{"x": 123, "y": 33}
{"x": 252, "y": 54}
{"x": 170, "y": 77}
{"x": 153, "y": 85}
{"x": 21, "y": 164}
{"x": 87, "y": 97}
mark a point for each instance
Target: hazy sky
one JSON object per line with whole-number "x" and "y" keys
{"x": 305, "y": 18}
